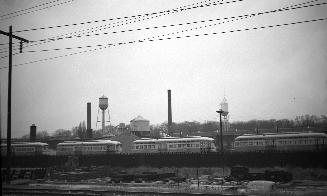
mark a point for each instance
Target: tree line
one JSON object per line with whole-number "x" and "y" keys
{"x": 193, "y": 127}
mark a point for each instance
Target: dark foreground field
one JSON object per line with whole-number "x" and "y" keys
{"x": 98, "y": 180}
{"x": 316, "y": 159}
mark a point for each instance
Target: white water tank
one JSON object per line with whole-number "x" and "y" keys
{"x": 224, "y": 107}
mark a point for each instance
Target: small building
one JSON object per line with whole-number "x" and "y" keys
{"x": 140, "y": 126}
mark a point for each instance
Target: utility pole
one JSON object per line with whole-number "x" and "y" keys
{"x": 221, "y": 131}
{"x": 221, "y": 141}
{"x": 10, "y": 35}
{"x": 170, "y": 121}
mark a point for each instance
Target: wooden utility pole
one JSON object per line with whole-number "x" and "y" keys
{"x": 11, "y": 36}
{"x": 221, "y": 131}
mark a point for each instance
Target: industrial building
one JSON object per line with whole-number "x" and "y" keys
{"x": 140, "y": 126}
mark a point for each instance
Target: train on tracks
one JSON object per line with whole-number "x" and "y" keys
{"x": 292, "y": 141}
{"x": 88, "y": 147}
{"x": 26, "y": 148}
{"x": 196, "y": 144}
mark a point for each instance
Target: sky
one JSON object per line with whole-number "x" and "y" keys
{"x": 268, "y": 73}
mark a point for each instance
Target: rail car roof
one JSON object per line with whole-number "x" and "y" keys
{"x": 283, "y": 135}
{"x": 175, "y": 139}
{"x": 26, "y": 144}
{"x": 68, "y": 143}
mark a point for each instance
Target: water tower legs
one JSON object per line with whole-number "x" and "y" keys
{"x": 103, "y": 121}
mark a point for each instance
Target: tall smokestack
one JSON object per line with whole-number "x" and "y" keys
{"x": 33, "y": 133}
{"x": 88, "y": 121}
{"x": 169, "y": 114}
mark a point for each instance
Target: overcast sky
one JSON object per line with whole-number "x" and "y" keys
{"x": 269, "y": 73}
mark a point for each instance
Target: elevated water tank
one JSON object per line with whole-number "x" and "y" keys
{"x": 224, "y": 107}
{"x": 103, "y": 102}
{"x": 140, "y": 126}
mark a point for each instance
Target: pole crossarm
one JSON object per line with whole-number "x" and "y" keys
{"x": 14, "y": 36}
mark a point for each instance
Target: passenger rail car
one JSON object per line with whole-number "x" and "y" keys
{"x": 281, "y": 142}
{"x": 25, "y": 148}
{"x": 174, "y": 144}
{"x": 88, "y": 147}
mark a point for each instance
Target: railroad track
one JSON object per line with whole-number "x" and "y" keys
{"x": 62, "y": 192}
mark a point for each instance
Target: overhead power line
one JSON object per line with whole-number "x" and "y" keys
{"x": 29, "y": 8}
{"x": 183, "y": 8}
{"x": 102, "y": 45}
{"x": 110, "y": 19}
{"x": 59, "y": 37}
{"x": 169, "y": 38}
{"x": 293, "y": 7}
{"x": 172, "y": 25}
{"x": 161, "y": 13}
{"x": 1, "y": 44}
{"x": 240, "y": 17}
{"x": 32, "y": 11}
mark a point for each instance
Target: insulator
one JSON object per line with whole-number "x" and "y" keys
{"x": 20, "y": 47}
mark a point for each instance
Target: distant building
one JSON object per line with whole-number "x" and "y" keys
{"x": 123, "y": 129}
{"x": 126, "y": 141}
{"x": 140, "y": 127}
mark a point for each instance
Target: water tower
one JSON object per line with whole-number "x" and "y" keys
{"x": 225, "y": 114}
{"x": 103, "y": 105}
